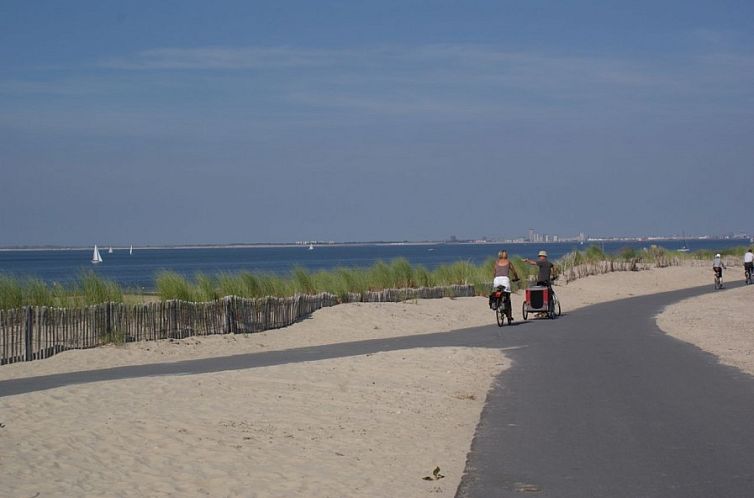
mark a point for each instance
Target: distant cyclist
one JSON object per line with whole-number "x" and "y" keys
{"x": 748, "y": 261}
{"x": 718, "y": 266}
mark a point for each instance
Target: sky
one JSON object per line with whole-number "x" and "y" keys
{"x": 179, "y": 122}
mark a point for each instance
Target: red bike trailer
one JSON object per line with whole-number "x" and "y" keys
{"x": 539, "y": 300}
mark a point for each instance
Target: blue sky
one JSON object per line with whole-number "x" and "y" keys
{"x": 198, "y": 122}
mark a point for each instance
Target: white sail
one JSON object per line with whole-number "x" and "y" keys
{"x": 311, "y": 247}
{"x": 131, "y": 250}
{"x": 96, "y": 258}
{"x": 110, "y": 251}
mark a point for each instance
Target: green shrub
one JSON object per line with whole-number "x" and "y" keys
{"x": 171, "y": 285}
{"x": 206, "y": 289}
{"x": 93, "y": 289}
{"x": 403, "y": 273}
{"x": 302, "y": 281}
{"x": 380, "y": 276}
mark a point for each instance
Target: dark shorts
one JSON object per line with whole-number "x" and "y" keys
{"x": 748, "y": 266}
{"x": 718, "y": 271}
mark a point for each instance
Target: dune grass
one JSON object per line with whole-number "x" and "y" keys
{"x": 398, "y": 273}
{"x": 89, "y": 288}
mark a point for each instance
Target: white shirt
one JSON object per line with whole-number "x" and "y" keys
{"x": 749, "y": 257}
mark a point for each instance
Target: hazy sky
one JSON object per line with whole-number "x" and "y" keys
{"x": 191, "y": 122}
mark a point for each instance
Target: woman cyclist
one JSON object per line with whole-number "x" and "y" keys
{"x": 504, "y": 271}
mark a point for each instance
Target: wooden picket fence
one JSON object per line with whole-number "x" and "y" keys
{"x": 571, "y": 273}
{"x": 37, "y": 332}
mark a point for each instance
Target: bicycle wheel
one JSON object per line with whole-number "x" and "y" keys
{"x": 524, "y": 312}
{"x": 500, "y": 315}
{"x": 557, "y": 306}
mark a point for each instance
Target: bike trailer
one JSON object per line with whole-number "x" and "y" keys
{"x": 537, "y": 298}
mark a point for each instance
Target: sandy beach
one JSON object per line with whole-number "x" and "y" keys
{"x": 370, "y": 425}
{"x": 719, "y": 322}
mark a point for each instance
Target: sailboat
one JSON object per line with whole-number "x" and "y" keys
{"x": 110, "y": 251}
{"x": 131, "y": 250}
{"x": 685, "y": 248}
{"x": 311, "y": 247}
{"x": 96, "y": 258}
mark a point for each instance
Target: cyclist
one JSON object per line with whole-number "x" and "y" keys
{"x": 718, "y": 266}
{"x": 748, "y": 262}
{"x": 546, "y": 274}
{"x": 504, "y": 273}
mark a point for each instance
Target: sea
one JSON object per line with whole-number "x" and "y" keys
{"x": 138, "y": 270}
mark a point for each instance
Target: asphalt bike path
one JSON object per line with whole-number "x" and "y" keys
{"x": 601, "y": 403}
{"x": 597, "y": 403}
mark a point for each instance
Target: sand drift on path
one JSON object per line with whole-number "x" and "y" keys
{"x": 721, "y": 322}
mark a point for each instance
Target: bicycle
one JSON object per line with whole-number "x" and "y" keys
{"x": 500, "y": 301}
{"x": 748, "y": 274}
{"x": 555, "y": 306}
{"x": 718, "y": 280}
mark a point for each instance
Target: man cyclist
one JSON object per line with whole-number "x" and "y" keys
{"x": 718, "y": 266}
{"x": 749, "y": 262}
{"x": 544, "y": 275}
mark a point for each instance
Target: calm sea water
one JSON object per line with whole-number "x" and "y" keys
{"x": 139, "y": 269}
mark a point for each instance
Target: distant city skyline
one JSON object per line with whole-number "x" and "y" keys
{"x": 543, "y": 239}
{"x": 214, "y": 122}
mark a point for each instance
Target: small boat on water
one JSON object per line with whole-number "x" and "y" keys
{"x": 311, "y": 247}
{"x": 685, "y": 248}
{"x": 96, "y": 258}
{"x": 131, "y": 250}
{"x": 110, "y": 251}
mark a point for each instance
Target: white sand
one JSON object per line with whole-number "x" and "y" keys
{"x": 363, "y": 426}
{"x": 721, "y": 322}
{"x": 366, "y": 426}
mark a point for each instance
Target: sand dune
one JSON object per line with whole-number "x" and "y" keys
{"x": 370, "y": 425}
